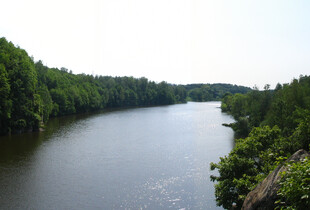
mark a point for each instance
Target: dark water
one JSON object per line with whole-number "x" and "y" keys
{"x": 144, "y": 158}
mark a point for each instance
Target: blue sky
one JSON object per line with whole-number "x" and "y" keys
{"x": 179, "y": 41}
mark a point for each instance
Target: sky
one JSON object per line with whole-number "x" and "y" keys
{"x": 243, "y": 42}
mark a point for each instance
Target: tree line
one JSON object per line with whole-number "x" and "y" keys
{"x": 274, "y": 124}
{"x": 212, "y": 92}
{"x": 31, "y": 93}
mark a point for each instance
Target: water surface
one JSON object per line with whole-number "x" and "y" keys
{"x": 142, "y": 158}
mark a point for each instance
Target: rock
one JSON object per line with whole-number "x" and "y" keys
{"x": 264, "y": 194}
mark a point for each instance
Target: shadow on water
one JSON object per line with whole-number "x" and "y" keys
{"x": 14, "y": 148}
{"x": 18, "y": 147}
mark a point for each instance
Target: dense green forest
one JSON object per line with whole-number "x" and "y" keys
{"x": 274, "y": 124}
{"x": 31, "y": 93}
{"x": 212, "y": 92}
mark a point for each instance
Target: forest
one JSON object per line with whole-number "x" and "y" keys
{"x": 31, "y": 92}
{"x": 271, "y": 125}
{"x": 212, "y": 92}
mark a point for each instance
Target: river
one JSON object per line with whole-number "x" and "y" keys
{"x": 139, "y": 158}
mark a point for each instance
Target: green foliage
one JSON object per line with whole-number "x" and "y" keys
{"x": 301, "y": 135}
{"x": 201, "y": 94}
{"x": 287, "y": 110}
{"x": 240, "y": 171}
{"x": 241, "y": 127}
{"x": 294, "y": 192}
{"x": 18, "y": 89}
{"x": 253, "y": 106}
{"x": 212, "y": 92}
{"x": 5, "y": 103}
{"x": 270, "y": 107}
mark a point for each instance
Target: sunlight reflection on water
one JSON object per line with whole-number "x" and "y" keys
{"x": 146, "y": 158}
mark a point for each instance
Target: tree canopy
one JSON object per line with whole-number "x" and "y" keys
{"x": 212, "y": 92}
{"x": 275, "y": 124}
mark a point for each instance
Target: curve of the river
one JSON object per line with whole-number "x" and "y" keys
{"x": 141, "y": 158}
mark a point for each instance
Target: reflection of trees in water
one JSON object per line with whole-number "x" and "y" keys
{"x": 15, "y": 148}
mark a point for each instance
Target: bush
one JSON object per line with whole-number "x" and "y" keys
{"x": 294, "y": 192}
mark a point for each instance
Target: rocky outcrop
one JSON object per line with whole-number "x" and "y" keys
{"x": 265, "y": 193}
